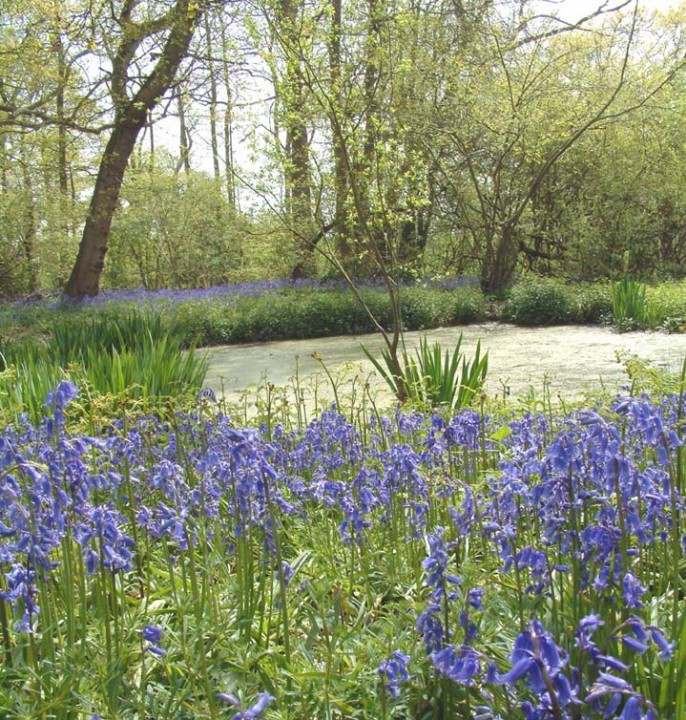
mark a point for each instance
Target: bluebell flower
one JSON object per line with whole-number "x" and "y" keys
{"x": 632, "y": 591}
{"x": 537, "y": 659}
{"x": 612, "y": 706}
{"x": 462, "y": 667}
{"x": 469, "y": 627}
{"x": 62, "y": 395}
{"x": 20, "y": 587}
{"x": 666, "y": 647}
{"x": 207, "y": 395}
{"x": 475, "y": 598}
{"x": 56, "y": 400}
{"x": 436, "y": 565}
{"x": 634, "y": 644}
{"x": 229, "y": 698}
{"x": 394, "y": 672}
{"x": 264, "y": 700}
{"x": 431, "y": 628}
{"x": 153, "y": 635}
{"x": 632, "y": 709}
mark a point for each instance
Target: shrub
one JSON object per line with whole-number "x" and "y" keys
{"x": 539, "y": 302}
{"x": 667, "y": 302}
{"x": 315, "y": 312}
{"x": 593, "y": 303}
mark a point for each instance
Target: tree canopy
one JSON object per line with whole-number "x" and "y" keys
{"x": 190, "y": 143}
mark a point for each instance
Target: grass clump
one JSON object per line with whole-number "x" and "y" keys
{"x": 130, "y": 357}
{"x": 434, "y": 378}
{"x": 629, "y": 307}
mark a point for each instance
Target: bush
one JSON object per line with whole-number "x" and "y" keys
{"x": 540, "y": 302}
{"x": 594, "y": 303}
{"x": 548, "y": 302}
{"x": 667, "y": 303}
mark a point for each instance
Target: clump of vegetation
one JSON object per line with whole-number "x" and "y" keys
{"x": 540, "y": 302}
{"x": 130, "y": 357}
{"x": 629, "y": 307}
{"x": 434, "y": 378}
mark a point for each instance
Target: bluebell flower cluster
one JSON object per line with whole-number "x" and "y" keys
{"x": 569, "y": 519}
{"x": 253, "y": 712}
{"x": 255, "y": 288}
{"x": 153, "y": 635}
{"x": 394, "y": 672}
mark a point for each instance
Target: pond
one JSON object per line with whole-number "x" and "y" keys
{"x": 567, "y": 358}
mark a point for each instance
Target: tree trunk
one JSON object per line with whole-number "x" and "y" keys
{"x": 214, "y": 138}
{"x": 184, "y": 136}
{"x": 29, "y": 226}
{"x": 131, "y": 113}
{"x": 499, "y": 264}
{"x": 228, "y": 125}
{"x": 85, "y": 276}
{"x": 297, "y": 170}
{"x": 341, "y": 224}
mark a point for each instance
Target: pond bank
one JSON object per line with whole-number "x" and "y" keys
{"x": 570, "y": 358}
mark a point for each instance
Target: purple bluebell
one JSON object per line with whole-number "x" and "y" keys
{"x": 430, "y": 627}
{"x": 436, "y": 566}
{"x": 152, "y": 634}
{"x": 264, "y": 700}
{"x": 462, "y": 666}
{"x": 632, "y": 591}
{"x": 475, "y": 598}
{"x": 666, "y": 648}
{"x": 394, "y": 672}
{"x": 20, "y": 586}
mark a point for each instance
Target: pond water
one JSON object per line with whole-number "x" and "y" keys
{"x": 568, "y": 358}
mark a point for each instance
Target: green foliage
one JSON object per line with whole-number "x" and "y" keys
{"x": 135, "y": 356}
{"x": 667, "y": 301}
{"x": 306, "y": 313}
{"x": 550, "y": 302}
{"x": 25, "y": 384}
{"x": 179, "y": 231}
{"x": 632, "y": 309}
{"x": 73, "y": 340}
{"x": 435, "y": 379}
{"x": 650, "y": 379}
{"x": 593, "y": 303}
{"x": 539, "y": 302}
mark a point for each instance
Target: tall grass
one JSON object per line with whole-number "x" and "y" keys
{"x": 132, "y": 330}
{"x": 131, "y": 357}
{"x": 631, "y": 308}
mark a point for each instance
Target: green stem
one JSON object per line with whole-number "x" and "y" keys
{"x": 6, "y": 640}
{"x": 279, "y": 569}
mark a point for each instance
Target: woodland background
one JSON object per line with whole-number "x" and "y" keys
{"x": 302, "y": 138}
